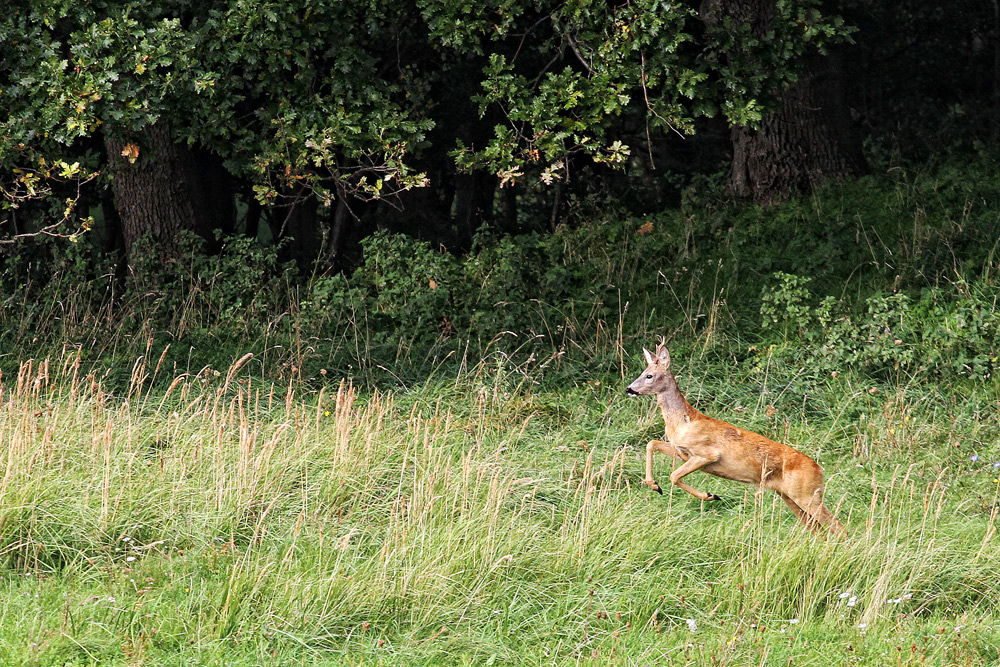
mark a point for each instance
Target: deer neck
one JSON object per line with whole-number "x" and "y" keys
{"x": 675, "y": 408}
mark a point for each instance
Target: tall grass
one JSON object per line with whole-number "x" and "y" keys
{"x": 474, "y": 518}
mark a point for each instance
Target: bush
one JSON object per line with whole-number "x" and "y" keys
{"x": 947, "y": 331}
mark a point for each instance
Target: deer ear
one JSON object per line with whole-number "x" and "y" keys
{"x": 650, "y": 359}
{"x": 662, "y": 354}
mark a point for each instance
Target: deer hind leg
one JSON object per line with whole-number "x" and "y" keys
{"x": 806, "y": 519}
{"x": 692, "y": 464}
{"x": 651, "y": 448}
{"x": 825, "y": 518}
{"x": 816, "y": 514}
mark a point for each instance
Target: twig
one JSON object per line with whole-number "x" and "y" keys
{"x": 649, "y": 107}
{"x": 47, "y": 230}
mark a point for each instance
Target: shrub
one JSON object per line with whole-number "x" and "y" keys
{"x": 946, "y": 331}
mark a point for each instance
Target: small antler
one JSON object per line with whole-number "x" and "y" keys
{"x": 662, "y": 354}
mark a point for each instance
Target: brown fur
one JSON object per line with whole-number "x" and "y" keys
{"x": 704, "y": 443}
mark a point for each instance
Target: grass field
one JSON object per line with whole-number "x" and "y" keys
{"x": 483, "y": 517}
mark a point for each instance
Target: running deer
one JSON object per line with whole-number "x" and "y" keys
{"x": 723, "y": 450}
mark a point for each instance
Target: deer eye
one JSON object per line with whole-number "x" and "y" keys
{"x": 649, "y": 377}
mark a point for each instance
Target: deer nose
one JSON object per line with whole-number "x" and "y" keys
{"x": 631, "y": 392}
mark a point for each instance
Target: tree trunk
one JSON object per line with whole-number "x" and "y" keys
{"x": 472, "y": 204}
{"x": 808, "y": 138}
{"x": 216, "y": 192}
{"x": 159, "y": 194}
{"x": 252, "y": 218}
{"x": 508, "y": 221}
{"x": 295, "y": 226}
{"x": 996, "y": 69}
{"x": 335, "y": 244}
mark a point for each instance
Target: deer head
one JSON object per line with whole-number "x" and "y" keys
{"x": 657, "y": 377}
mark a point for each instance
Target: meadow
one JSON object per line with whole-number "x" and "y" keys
{"x": 478, "y": 501}
{"x": 479, "y": 520}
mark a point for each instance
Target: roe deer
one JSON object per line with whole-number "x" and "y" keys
{"x": 723, "y": 450}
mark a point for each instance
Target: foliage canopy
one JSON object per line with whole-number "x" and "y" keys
{"x": 354, "y": 98}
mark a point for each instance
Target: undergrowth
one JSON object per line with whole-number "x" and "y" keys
{"x": 889, "y": 274}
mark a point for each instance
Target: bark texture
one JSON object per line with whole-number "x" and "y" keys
{"x": 161, "y": 193}
{"x": 808, "y": 138}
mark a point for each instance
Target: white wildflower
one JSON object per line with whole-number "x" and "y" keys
{"x": 692, "y": 626}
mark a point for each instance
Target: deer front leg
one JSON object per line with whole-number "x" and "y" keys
{"x": 692, "y": 464}
{"x": 651, "y": 448}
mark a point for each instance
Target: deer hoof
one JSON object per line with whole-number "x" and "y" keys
{"x": 712, "y": 496}
{"x": 653, "y": 485}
